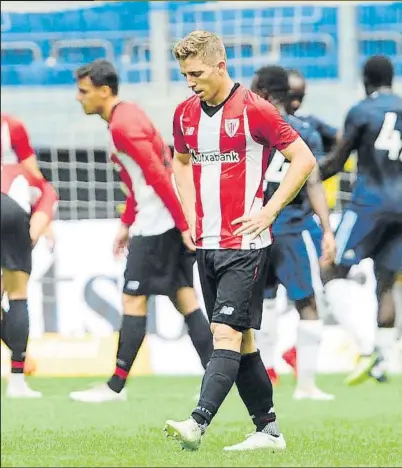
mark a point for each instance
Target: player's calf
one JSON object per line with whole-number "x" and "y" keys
{"x": 219, "y": 377}
{"x": 198, "y": 326}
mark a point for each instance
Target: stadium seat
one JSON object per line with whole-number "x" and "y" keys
{"x": 81, "y": 51}
{"x": 20, "y": 53}
{"x": 297, "y": 36}
{"x": 382, "y": 43}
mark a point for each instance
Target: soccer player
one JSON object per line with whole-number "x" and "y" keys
{"x": 16, "y": 148}
{"x": 297, "y": 93}
{"x": 291, "y": 263}
{"x": 330, "y": 136}
{"x": 223, "y": 136}
{"x": 159, "y": 260}
{"x": 27, "y": 206}
{"x": 371, "y": 226}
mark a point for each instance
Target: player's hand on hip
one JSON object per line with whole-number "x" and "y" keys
{"x": 188, "y": 240}
{"x": 121, "y": 241}
{"x": 253, "y": 225}
{"x": 328, "y": 246}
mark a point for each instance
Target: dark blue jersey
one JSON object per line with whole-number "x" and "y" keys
{"x": 327, "y": 132}
{"x": 374, "y": 126}
{"x": 293, "y": 217}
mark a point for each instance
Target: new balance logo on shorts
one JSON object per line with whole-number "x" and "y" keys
{"x": 226, "y": 310}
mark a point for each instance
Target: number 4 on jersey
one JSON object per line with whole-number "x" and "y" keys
{"x": 389, "y": 139}
{"x": 277, "y": 168}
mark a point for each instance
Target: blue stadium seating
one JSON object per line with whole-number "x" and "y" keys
{"x": 45, "y": 48}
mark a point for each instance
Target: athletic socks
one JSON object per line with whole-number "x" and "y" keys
{"x": 355, "y": 309}
{"x": 267, "y": 335}
{"x": 132, "y": 334}
{"x": 200, "y": 334}
{"x": 17, "y": 333}
{"x": 4, "y": 328}
{"x": 220, "y": 375}
{"x": 307, "y": 344}
{"x": 255, "y": 389}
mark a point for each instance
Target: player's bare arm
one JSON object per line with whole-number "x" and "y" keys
{"x": 183, "y": 174}
{"x": 43, "y": 211}
{"x": 31, "y": 165}
{"x": 302, "y": 162}
{"x": 27, "y": 157}
{"x": 316, "y": 195}
{"x": 334, "y": 161}
{"x": 127, "y": 218}
{"x": 139, "y": 149}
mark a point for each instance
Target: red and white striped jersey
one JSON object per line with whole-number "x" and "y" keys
{"x": 15, "y": 145}
{"x": 142, "y": 159}
{"x": 31, "y": 193}
{"x": 229, "y": 153}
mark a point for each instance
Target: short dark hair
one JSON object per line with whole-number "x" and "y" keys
{"x": 378, "y": 71}
{"x": 273, "y": 79}
{"x": 102, "y": 73}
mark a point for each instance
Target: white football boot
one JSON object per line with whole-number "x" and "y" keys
{"x": 187, "y": 433}
{"x": 99, "y": 394}
{"x": 313, "y": 393}
{"x": 259, "y": 440}
{"x": 18, "y": 388}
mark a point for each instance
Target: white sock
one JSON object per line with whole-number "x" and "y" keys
{"x": 307, "y": 344}
{"x": 266, "y": 336}
{"x": 16, "y": 380}
{"x": 355, "y": 308}
{"x": 397, "y": 294}
{"x": 323, "y": 307}
{"x": 385, "y": 340}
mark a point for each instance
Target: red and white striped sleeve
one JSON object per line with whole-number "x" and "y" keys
{"x": 267, "y": 126}
{"x": 141, "y": 146}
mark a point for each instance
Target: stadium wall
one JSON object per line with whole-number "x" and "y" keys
{"x": 55, "y": 118}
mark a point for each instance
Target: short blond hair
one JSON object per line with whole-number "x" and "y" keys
{"x": 203, "y": 44}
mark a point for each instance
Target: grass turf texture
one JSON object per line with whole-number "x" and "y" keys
{"x": 361, "y": 427}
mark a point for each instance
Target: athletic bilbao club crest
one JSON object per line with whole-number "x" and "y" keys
{"x": 231, "y": 126}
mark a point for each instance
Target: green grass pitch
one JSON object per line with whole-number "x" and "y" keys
{"x": 362, "y": 427}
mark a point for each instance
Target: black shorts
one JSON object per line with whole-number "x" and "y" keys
{"x": 233, "y": 283}
{"x": 16, "y": 245}
{"x": 158, "y": 265}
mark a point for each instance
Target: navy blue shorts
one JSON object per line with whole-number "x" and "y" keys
{"x": 294, "y": 264}
{"x": 367, "y": 232}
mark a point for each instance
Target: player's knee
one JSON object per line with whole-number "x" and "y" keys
{"x": 134, "y": 305}
{"x": 15, "y": 283}
{"x": 248, "y": 344}
{"x": 185, "y": 300}
{"x": 226, "y": 337}
{"x": 307, "y": 308}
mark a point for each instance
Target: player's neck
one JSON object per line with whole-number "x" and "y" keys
{"x": 381, "y": 89}
{"x": 222, "y": 94}
{"x": 108, "y": 109}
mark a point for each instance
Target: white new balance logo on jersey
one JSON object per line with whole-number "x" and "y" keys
{"x": 227, "y": 310}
